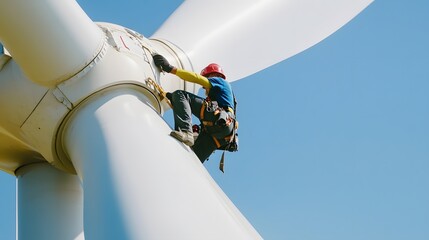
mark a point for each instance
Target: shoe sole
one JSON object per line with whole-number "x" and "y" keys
{"x": 188, "y": 143}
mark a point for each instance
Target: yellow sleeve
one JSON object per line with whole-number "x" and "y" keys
{"x": 193, "y": 77}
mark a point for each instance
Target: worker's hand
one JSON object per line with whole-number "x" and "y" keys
{"x": 162, "y": 63}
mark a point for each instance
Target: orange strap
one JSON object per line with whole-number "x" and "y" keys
{"x": 207, "y": 123}
{"x": 227, "y": 138}
{"x": 216, "y": 142}
{"x": 202, "y": 110}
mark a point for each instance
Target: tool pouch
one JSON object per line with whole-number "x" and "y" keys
{"x": 231, "y": 146}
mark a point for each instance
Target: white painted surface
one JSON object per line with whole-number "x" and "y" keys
{"x": 140, "y": 183}
{"x": 49, "y": 204}
{"x": 240, "y": 35}
{"x": 65, "y": 44}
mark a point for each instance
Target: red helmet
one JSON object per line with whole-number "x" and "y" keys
{"x": 213, "y": 68}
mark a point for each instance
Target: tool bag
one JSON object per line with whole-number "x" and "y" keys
{"x": 232, "y": 145}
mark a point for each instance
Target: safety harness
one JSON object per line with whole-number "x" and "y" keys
{"x": 222, "y": 117}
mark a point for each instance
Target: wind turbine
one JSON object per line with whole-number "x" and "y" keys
{"x": 81, "y": 126}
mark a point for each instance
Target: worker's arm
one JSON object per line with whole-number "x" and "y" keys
{"x": 162, "y": 63}
{"x": 192, "y": 77}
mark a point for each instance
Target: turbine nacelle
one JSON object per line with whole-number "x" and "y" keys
{"x": 33, "y": 113}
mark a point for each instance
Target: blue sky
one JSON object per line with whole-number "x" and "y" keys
{"x": 334, "y": 142}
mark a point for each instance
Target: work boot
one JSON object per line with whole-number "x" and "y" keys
{"x": 185, "y": 137}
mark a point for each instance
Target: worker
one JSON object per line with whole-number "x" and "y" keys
{"x": 215, "y": 112}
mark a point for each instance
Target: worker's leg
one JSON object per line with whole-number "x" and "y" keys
{"x": 204, "y": 146}
{"x": 183, "y": 104}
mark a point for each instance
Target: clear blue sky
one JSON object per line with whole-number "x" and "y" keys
{"x": 334, "y": 142}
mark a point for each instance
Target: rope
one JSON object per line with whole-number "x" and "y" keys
{"x": 161, "y": 93}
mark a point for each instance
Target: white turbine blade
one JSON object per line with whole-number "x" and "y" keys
{"x": 50, "y": 40}
{"x": 140, "y": 183}
{"x": 248, "y": 36}
{"x": 49, "y": 203}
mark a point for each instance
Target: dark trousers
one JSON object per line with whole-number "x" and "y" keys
{"x": 184, "y": 105}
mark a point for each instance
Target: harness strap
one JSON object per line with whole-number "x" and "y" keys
{"x": 207, "y": 123}
{"x": 203, "y": 107}
{"x": 216, "y": 142}
{"x": 216, "y": 112}
{"x": 221, "y": 163}
{"x": 227, "y": 139}
{"x": 211, "y": 123}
